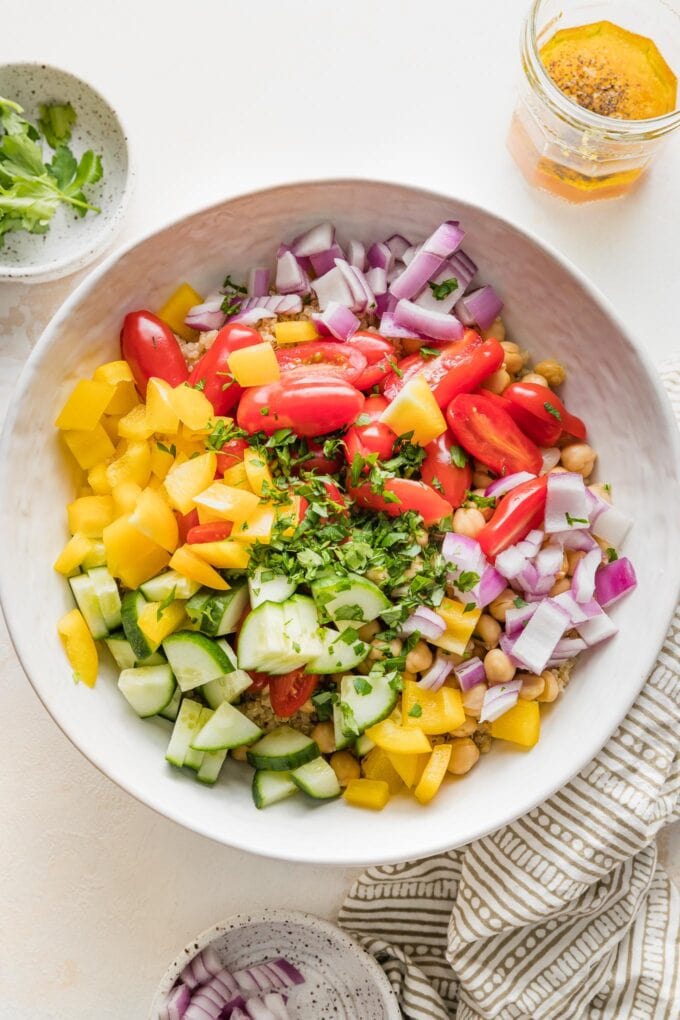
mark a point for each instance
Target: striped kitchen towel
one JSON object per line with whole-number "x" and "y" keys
{"x": 564, "y": 915}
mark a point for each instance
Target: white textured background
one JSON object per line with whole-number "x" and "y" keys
{"x": 96, "y": 892}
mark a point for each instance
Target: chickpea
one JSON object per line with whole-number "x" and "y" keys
{"x": 535, "y": 377}
{"x": 579, "y": 457}
{"x": 500, "y": 605}
{"x": 552, "y": 371}
{"x": 381, "y": 649}
{"x": 239, "y": 753}
{"x": 419, "y": 658}
{"x": 551, "y": 689}
{"x": 422, "y": 538}
{"x": 514, "y": 362}
{"x": 466, "y": 729}
{"x": 562, "y": 572}
{"x": 485, "y": 511}
{"x": 532, "y": 686}
{"x": 495, "y": 330}
{"x": 345, "y": 766}
{"x": 497, "y": 381}
{"x": 369, "y": 630}
{"x": 473, "y": 699}
{"x": 603, "y": 490}
{"x": 377, "y": 574}
{"x": 481, "y": 478}
{"x": 559, "y": 586}
{"x": 413, "y": 568}
{"x": 488, "y": 630}
{"x": 464, "y": 754}
{"x": 408, "y": 677}
{"x": 324, "y": 736}
{"x": 308, "y": 707}
{"x": 574, "y": 556}
{"x": 498, "y": 667}
{"x": 468, "y": 520}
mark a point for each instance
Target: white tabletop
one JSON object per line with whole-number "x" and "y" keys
{"x": 221, "y": 97}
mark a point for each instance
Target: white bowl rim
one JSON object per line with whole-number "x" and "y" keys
{"x": 59, "y": 268}
{"x": 584, "y": 751}
{"x": 276, "y": 915}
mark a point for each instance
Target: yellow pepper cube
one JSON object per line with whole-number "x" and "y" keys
{"x": 133, "y": 465}
{"x": 460, "y": 623}
{"x": 161, "y": 415}
{"x": 186, "y": 479}
{"x": 521, "y": 724}
{"x": 96, "y": 555}
{"x": 176, "y": 309}
{"x": 119, "y": 375}
{"x": 89, "y": 446}
{"x": 433, "y": 711}
{"x": 399, "y": 739}
{"x": 192, "y": 407}
{"x": 162, "y": 459}
{"x": 89, "y": 515}
{"x": 110, "y": 425}
{"x": 295, "y": 331}
{"x": 72, "y": 555}
{"x": 125, "y": 496}
{"x": 258, "y": 527}
{"x": 415, "y": 410}
{"x": 408, "y": 766}
{"x": 377, "y": 765}
{"x": 206, "y": 516}
{"x": 254, "y": 366}
{"x": 433, "y": 774}
{"x": 131, "y": 556}
{"x": 85, "y": 406}
{"x": 230, "y": 503}
{"x": 225, "y": 554}
{"x": 97, "y": 480}
{"x": 186, "y": 563}
{"x": 79, "y": 646}
{"x": 134, "y": 425}
{"x": 257, "y": 471}
{"x": 367, "y": 793}
{"x": 154, "y": 518}
{"x": 237, "y": 476}
{"x": 156, "y": 622}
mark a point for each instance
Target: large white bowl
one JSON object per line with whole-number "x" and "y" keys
{"x": 550, "y": 309}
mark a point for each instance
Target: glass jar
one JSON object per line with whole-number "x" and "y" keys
{"x": 571, "y": 151}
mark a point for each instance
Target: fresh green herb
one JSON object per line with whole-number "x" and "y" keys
{"x": 55, "y": 122}
{"x": 363, "y": 419}
{"x": 264, "y": 410}
{"x": 172, "y": 449}
{"x": 231, "y": 304}
{"x": 519, "y": 602}
{"x": 429, "y": 352}
{"x": 395, "y": 368}
{"x": 443, "y": 289}
{"x": 466, "y": 580}
{"x": 222, "y": 432}
{"x": 167, "y": 601}
{"x": 606, "y": 486}
{"x": 323, "y": 702}
{"x": 349, "y": 613}
{"x": 199, "y": 385}
{"x": 362, "y": 686}
{"x": 470, "y": 607}
{"x": 551, "y": 409}
{"x": 458, "y": 456}
{"x": 483, "y": 502}
{"x": 612, "y": 555}
{"x": 415, "y": 711}
{"x": 230, "y": 285}
{"x": 575, "y": 520}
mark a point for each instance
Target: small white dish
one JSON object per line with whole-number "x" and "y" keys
{"x": 341, "y": 980}
{"x": 71, "y": 242}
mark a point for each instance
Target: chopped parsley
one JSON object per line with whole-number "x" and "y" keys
{"x": 362, "y": 686}
{"x": 264, "y": 411}
{"x": 230, "y": 285}
{"x": 575, "y": 520}
{"x": 200, "y": 385}
{"x": 395, "y": 368}
{"x": 363, "y": 419}
{"x": 231, "y": 305}
{"x": 167, "y": 601}
{"x": 172, "y": 449}
{"x": 415, "y": 711}
{"x": 429, "y": 352}
{"x": 443, "y": 289}
{"x": 469, "y": 607}
{"x": 223, "y": 430}
{"x": 612, "y": 555}
{"x": 482, "y": 502}
{"x": 551, "y": 409}
{"x": 458, "y": 456}
{"x": 467, "y": 580}
{"x": 519, "y": 602}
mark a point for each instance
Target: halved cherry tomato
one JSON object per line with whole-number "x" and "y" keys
{"x": 490, "y": 435}
{"x": 452, "y": 481}
{"x": 378, "y": 352}
{"x": 151, "y": 350}
{"x": 289, "y": 692}
{"x": 230, "y": 455}
{"x": 542, "y": 433}
{"x": 310, "y": 405}
{"x": 335, "y": 496}
{"x": 410, "y": 495}
{"x": 185, "y": 522}
{"x": 212, "y": 371}
{"x": 542, "y": 413}
{"x": 323, "y": 356}
{"x": 367, "y": 439}
{"x": 518, "y": 512}
{"x": 258, "y": 680}
{"x": 319, "y": 462}
{"x": 460, "y": 367}
{"x": 374, "y": 406}
{"x": 213, "y": 531}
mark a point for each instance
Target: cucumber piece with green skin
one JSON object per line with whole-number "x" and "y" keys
{"x": 167, "y": 584}
{"x": 125, "y": 658}
{"x": 265, "y": 643}
{"x": 341, "y": 652}
{"x": 195, "y": 659}
{"x": 186, "y": 724}
{"x": 265, "y": 586}
{"x": 348, "y": 600}
{"x": 147, "y": 689}
{"x": 85, "y": 595}
{"x": 216, "y": 613}
{"x": 282, "y": 749}
{"x": 132, "y": 605}
{"x": 226, "y": 688}
{"x": 342, "y": 739}
{"x": 96, "y": 557}
{"x": 172, "y": 708}
{"x": 226, "y": 728}
{"x": 194, "y": 756}
{"x": 363, "y": 710}
{"x": 363, "y": 745}
{"x": 106, "y": 590}
{"x": 317, "y": 779}
{"x": 271, "y": 787}
{"x": 211, "y": 766}
{"x": 301, "y": 627}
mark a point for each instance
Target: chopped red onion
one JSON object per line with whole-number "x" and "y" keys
{"x": 356, "y": 255}
{"x": 376, "y": 278}
{"x": 435, "y": 676}
{"x": 336, "y": 320}
{"x": 459, "y": 268}
{"x": 583, "y": 581}
{"x": 612, "y": 526}
{"x": 595, "y": 505}
{"x": 518, "y": 617}
{"x": 258, "y": 281}
{"x": 425, "y": 621}
{"x": 500, "y": 486}
{"x": 253, "y": 315}
{"x": 397, "y": 244}
{"x": 498, "y": 699}
{"x": 511, "y": 562}
{"x": 551, "y": 458}
{"x": 614, "y": 580}
{"x": 577, "y": 613}
{"x": 197, "y": 1011}
{"x": 391, "y": 328}
{"x": 565, "y": 506}
{"x": 410, "y": 254}
{"x": 598, "y": 628}
{"x": 446, "y": 239}
{"x": 356, "y": 286}
{"x": 290, "y": 277}
{"x": 201, "y": 968}
{"x": 176, "y": 1004}
{"x": 277, "y": 1004}
{"x": 567, "y": 648}
{"x": 470, "y": 673}
{"x": 324, "y": 261}
{"x": 332, "y": 286}
{"x": 208, "y": 315}
{"x": 489, "y": 588}
{"x": 549, "y": 560}
{"x": 280, "y": 304}
{"x": 580, "y": 541}
{"x": 528, "y": 577}
{"x": 464, "y": 552}
{"x": 316, "y": 239}
{"x": 256, "y": 1010}
{"x": 536, "y": 644}
{"x": 437, "y": 325}
{"x": 238, "y": 1014}
{"x": 479, "y": 307}
{"x": 380, "y": 255}
{"x": 416, "y": 275}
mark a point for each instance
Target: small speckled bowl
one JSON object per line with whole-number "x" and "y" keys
{"x": 342, "y": 982}
{"x": 71, "y": 242}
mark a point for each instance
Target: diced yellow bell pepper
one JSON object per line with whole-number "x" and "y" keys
{"x": 432, "y": 711}
{"x": 408, "y": 766}
{"x": 191, "y": 406}
{"x": 415, "y": 409}
{"x": 254, "y": 366}
{"x": 119, "y": 375}
{"x": 230, "y": 503}
{"x": 198, "y": 435}
{"x": 134, "y": 424}
{"x": 377, "y": 765}
{"x": 89, "y": 446}
{"x": 258, "y": 527}
{"x": 85, "y": 406}
{"x": 97, "y": 479}
{"x": 125, "y": 496}
{"x": 154, "y": 518}
{"x": 295, "y": 331}
{"x": 176, "y": 309}
{"x": 185, "y": 480}
{"x": 257, "y": 471}
{"x": 79, "y": 646}
{"x": 521, "y": 724}
{"x": 72, "y": 555}
{"x": 96, "y": 555}
{"x": 161, "y": 415}
{"x": 156, "y": 623}
{"x": 460, "y": 623}
{"x": 400, "y": 739}
{"x": 133, "y": 465}
{"x": 224, "y": 554}
{"x": 237, "y": 476}
{"x": 289, "y": 514}
{"x": 367, "y": 793}
{"x": 434, "y": 773}
{"x": 110, "y": 425}
{"x": 206, "y": 516}
{"x": 161, "y": 460}
{"x": 89, "y": 515}
{"x": 186, "y": 563}
{"x": 131, "y": 556}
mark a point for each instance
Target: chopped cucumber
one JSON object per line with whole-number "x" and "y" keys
{"x": 226, "y": 688}
{"x": 226, "y": 728}
{"x": 148, "y": 689}
{"x": 121, "y": 650}
{"x": 85, "y": 595}
{"x": 194, "y": 756}
{"x": 282, "y": 749}
{"x": 363, "y": 710}
{"x": 262, "y": 643}
{"x": 216, "y": 613}
{"x": 168, "y": 584}
{"x": 132, "y": 605}
{"x": 172, "y": 708}
{"x": 211, "y": 766}
{"x": 363, "y": 745}
{"x": 264, "y": 586}
{"x": 317, "y": 779}
{"x": 348, "y": 600}
{"x": 342, "y": 739}
{"x": 271, "y": 787}
{"x": 96, "y": 557}
{"x": 194, "y": 658}
{"x": 106, "y": 590}
{"x": 341, "y": 652}
{"x": 186, "y": 724}
{"x": 229, "y": 652}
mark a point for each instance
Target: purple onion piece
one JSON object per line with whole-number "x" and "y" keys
{"x": 436, "y": 325}
{"x": 612, "y": 525}
{"x": 376, "y": 279}
{"x": 356, "y": 255}
{"x": 596, "y": 629}
{"x": 380, "y": 256}
{"x": 258, "y": 281}
{"x": 517, "y": 618}
{"x": 290, "y": 277}
{"x": 332, "y": 286}
{"x": 470, "y": 673}
{"x": 253, "y": 316}
{"x": 176, "y": 1003}
{"x": 324, "y": 261}
{"x": 498, "y": 699}
{"x": 397, "y": 244}
{"x": 536, "y": 643}
{"x": 500, "y": 486}
{"x": 289, "y": 972}
{"x": 435, "y": 676}
{"x": 415, "y": 276}
{"x": 480, "y": 307}
{"x": 391, "y": 328}
{"x": 426, "y": 622}
{"x": 583, "y": 581}
{"x": 277, "y": 1004}
{"x": 565, "y": 505}
{"x": 316, "y": 239}
{"x": 446, "y": 239}
{"x": 614, "y": 580}
{"x": 551, "y": 458}
{"x": 336, "y": 320}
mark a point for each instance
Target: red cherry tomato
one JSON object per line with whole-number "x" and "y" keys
{"x": 310, "y": 405}
{"x": 323, "y": 356}
{"x": 410, "y": 495}
{"x": 319, "y": 462}
{"x": 230, "y": 455}
{"x": 335, "y": 496}
{"x": 151, "y": 349}
{"x": 460, "y": 367}
{"x": 367, "y": 439}
{"x": 214, "y": 531}
{"x": 490, "y": 435}
{"x": 518, "y": 512}
{"x": 541, "y": 414}
{"x": 451, "y": 481}
{"x": 289, "y": 692}
{"x": 378, "y": 352}
{"x": 540, "y": 432}
{"x": 258, "y": 680}
{"x": 375, "y": 405}
{"x": 212, "y": 371}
